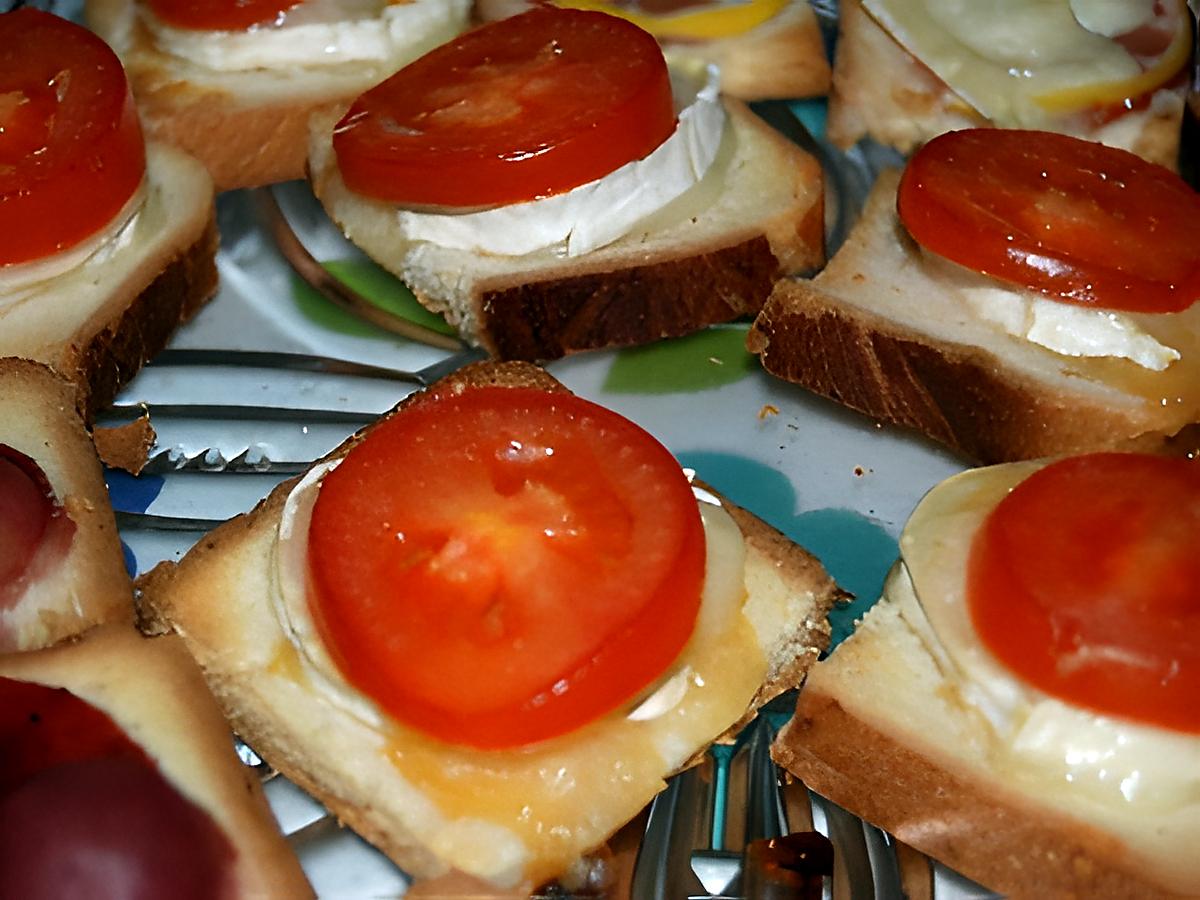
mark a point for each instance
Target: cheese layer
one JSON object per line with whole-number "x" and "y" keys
{"x": 523, "y": 815}
{"x": 1137, "y": 781}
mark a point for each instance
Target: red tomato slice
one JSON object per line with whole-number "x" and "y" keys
{"x": 220, "y": 15}
{"x": 27, "y": 508}
{"x": 71, "y": 151}
{"x": 1085, "y": 581}
{"x": 504, "y": 565}
{"x": 1075, "y": 220}
{"x": 519, "y": 109}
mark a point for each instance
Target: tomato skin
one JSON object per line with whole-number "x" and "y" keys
{"x": 71, "y": 150}
{"x": 505, "y": 565}
{"x": 1085, "y": 582}
{"x": 522, "y": 108}
{"x": 35, "y": 530}
{"x": 220, "y": 15}
{"x": 1072, "y": 219}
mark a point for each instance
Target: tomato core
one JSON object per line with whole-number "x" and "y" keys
{"x": 71, "y": 151}
{"x": 504, "y": 565}
{"x": 220, "y": 15}
{"x": 29, "y": 518}
{"x": 1074, "y": 220}
{"x": 1085, "y": 582}
{"x": 519, "y": 109}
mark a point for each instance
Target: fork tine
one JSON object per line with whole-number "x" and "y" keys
{"x": 678, "y": 815}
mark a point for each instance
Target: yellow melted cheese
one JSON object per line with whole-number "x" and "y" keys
{"x": 723, "y": 18}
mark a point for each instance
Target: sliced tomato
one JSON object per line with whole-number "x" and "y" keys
{"x": 71, "y": 151}
{"x": 27, "y": 514}
{"x": 504, "y": 565}
{"x": 220, "y": 15}
{"x": 1072, "y": 219}
{"x": 523, "y": 108}
{"x": 1085, "y": 581}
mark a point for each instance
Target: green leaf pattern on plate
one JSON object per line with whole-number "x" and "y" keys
{"x": 375, "y": 284}
{"x": 697, "y": 362}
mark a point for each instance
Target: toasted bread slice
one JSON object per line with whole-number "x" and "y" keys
{"x": 916, "y": 727}
{"x": 77, "y": 577}
{"x": 431, "y": 806}
{"x": 882, "y": 91}
{"x": 248, "y": 127}
{"x": 888, "y": 336}
{"x": 156, "y": 694}
{"x": 97, "y": 323}
{"x": 710, "y": 256}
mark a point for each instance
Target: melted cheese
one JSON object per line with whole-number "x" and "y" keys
{"x": 1021, "y": 63}
{"x": 523, "y": 815}
{"x": 1135, "y": 780}
{"x": 321, "y": 32}
{"x": 601, "y": 211}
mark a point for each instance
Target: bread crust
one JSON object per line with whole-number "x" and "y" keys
{"x": 180, "y": 598}
{"x": 983, "y": 394}
{"x": 89, "y": 584}
{"x": 882, "y": 91}
{"x": 155, "y": 692}
{"x": 712, "y": 266}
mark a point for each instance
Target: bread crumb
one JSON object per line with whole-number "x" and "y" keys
{"x": 768, "y": 409}
{"x": 716, "y": 361}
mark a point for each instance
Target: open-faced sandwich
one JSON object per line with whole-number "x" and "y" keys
{"x": 485, "y": 630}
{"x": 108, "y": 242}
{"x": 1022, "y": 702}
{"x": 234, "y": 82}
{"x": 119, "y": 781}
{"x": 61, "y": 569}
{"x": 1015, "y": 294}
{"x": 548, "y": 195}
{"x": 763, "y": 48}
{"x": 1114, "y": 72}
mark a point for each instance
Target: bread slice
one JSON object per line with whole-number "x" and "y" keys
{"x": 882, "y": 91}
{"x": 154, "y": 691}
{"x": 98, "y": 323}
{"x": 78, "y": 577}
{"x": 881, "y": 730}
{"x": 710, "y": 256}
{"x": 249, "y": 128}
{"x": 888, "y": 336}
{"x": 432, "y": 806}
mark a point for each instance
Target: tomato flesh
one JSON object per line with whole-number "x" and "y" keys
{"x": 504, "y": 565}
{"x": 30, "y": 518}
{"x": 519, "y": 109}
{"x": 71, "y": 150}
{"x": 85, "y": 813}
{"x": 220, "y": 15}
{"x": 1085, "y": 581}
{"x": 1074, "y": 220}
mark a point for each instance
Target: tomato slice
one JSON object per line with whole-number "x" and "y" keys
{"x": 30, "y": 517}
{"x": 1074, "y": 220}
{"x": 504, "y": 565}
{"x": 522, "y": 108}
{"x": 220, "y": 15}
{"x": 1085, "y": 581}
{"x": 71, "y": 151}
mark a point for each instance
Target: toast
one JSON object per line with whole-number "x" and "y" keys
{"x": 99, "y": 322}
{"x": 710, "y": 256}
{"x": 782, "y": 58}
{"x": 155, "y": 693}
{"x": 894, "y": 727}
{"x": 882, "y": 91}
{"x": 425, "y": 803}
{"x": 249, "y": 127}
{"x": 885, "y": 335}
{"x": 76, "y": 577}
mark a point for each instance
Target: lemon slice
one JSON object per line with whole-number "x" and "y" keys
{"x": 723, "y": 20}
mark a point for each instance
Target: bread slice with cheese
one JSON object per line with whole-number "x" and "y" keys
{"x": 880, "y": 90}
{"x": 896, "y": 336}
{"x": 76, "y": 577}
{"x": 96, "y": 322}
{"x": 248, "y": 123}
{"x": 1026, "y": 794}
{"x": 518, "y": 817}
{"x": 153, "y": 691}
{"x": 711, "y": 255}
